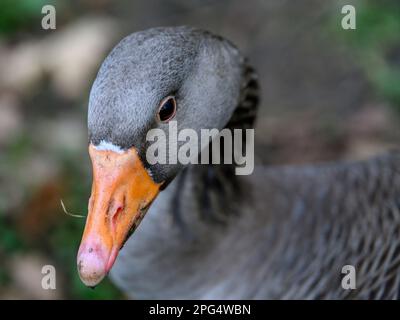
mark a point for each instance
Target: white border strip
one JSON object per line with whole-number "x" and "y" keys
{"x": 108, "y": 146}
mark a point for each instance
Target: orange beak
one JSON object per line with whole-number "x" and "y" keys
{"x": 122, "y": 191}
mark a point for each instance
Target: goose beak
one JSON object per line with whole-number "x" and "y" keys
{"x": 122, "y": 191}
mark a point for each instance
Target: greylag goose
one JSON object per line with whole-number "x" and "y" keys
{"x": 281, "y": 233}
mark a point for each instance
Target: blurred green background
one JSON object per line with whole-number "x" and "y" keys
{"x": 327, "y": 94}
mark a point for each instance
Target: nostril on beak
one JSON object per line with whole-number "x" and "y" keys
{"x": 114, "y": 217}
{"x": 115, "y": 210}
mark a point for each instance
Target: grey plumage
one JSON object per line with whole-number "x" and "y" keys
{"x": 303, "y": 226}
{"x": 294, "y": 228}
{"x": 147, "y": 66}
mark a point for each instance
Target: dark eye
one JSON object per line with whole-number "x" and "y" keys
{"x": 167, "y": 109}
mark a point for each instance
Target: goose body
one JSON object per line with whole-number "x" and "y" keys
{"x": 303, "y": 225}
{"x": 279, "y": 233}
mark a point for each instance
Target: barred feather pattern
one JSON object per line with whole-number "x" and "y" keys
{"x": 302, "y": 226}
{"x": 337, "y": 215}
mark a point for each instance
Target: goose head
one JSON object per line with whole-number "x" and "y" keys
{"x": 149, "y": 79}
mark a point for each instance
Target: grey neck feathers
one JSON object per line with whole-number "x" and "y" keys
{"x": 217, "y": 188}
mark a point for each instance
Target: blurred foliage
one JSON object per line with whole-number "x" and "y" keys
{"x": 10, "y": 244}
{"x": 59, "y": 241}
{"x": 58, "y": 238}
{"x": 16, "y": 14}
{"x": 376, "y": 42}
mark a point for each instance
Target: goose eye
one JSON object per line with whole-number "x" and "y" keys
{"x": 167, "y": 109}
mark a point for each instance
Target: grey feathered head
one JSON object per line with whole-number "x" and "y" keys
{"x": 202, "y": 71}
